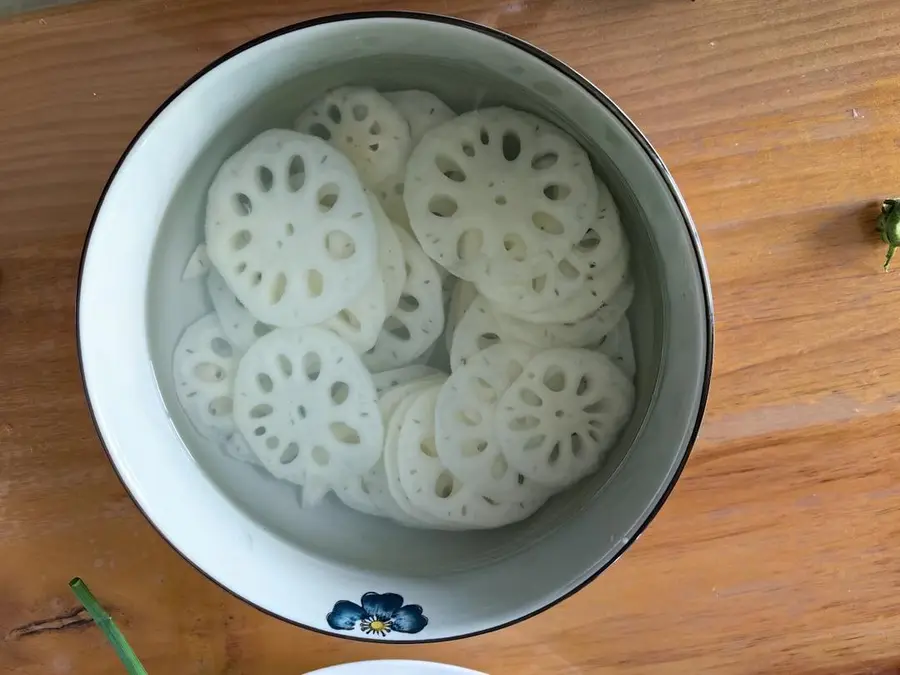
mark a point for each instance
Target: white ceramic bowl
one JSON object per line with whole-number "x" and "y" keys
{"x": 394, "y": 668}
{"x": 330, "y": 569}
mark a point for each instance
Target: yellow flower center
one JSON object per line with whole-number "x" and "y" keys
{"x": 377, "y": 625}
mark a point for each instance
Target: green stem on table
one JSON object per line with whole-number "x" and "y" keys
{"x": 889, "y": 228}
{"x": 103, "y": 620}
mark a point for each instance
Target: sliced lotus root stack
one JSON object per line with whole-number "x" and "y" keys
{"x": 433, "y": 489}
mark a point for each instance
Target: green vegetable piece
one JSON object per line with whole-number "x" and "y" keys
{"x": 103, "y": 620}
{"x": 889, "y": 228}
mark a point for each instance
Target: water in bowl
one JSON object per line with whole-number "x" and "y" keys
{"x": 331, "y": 531}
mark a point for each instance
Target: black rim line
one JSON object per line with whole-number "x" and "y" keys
{"x": 591, "y": 89}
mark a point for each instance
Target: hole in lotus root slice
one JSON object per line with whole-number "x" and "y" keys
{"x": 469, "y": 418}
{"x": 334, "y": 113}
{"x": 241, "y": 240}
{"x": 577, "y": 389}
{"x": 350, "y": 320}
{"x": 261, "y": 410}
{"x": 576, "y": 444}
{"x": 512, "y": 146}
{"x": 499, "y": 467}
{"x": 339, "y": 245}
{"x": 434, "y": 489}
{"x": 312, "y": 366}
{"x": 472, "y": 447}
{"x": 296, "y": 178}
{"x": 475, "y": 173}
{"x": 241, "y": 204}
{"x": 444, "y": 485}
{"x": 264, "y": 382}
{"x": 557, "y": 191}
{"x": 523, "y": 423}
{"x": 275, "y": 258}
{"x": 319, "y": 130}
{"x": 516, "y": 247}
{"x": 361, "y": 112}
{"x": 554, "y": 378}
{"x": 328, "y": 196}
{"x": 469, "y": 244}
{"x": 315, "y": 284}
{"x": 442, "y": 206}
{"x": 450, "y": 168}
{"x": 470, "y": 451}
{"x": 324, "y": 398}
{"x": 277, "y": 288}
{"x": 568, "y": 270}
{"x": 291, "y": 451}
{"x": 535, "y": 441}
{"x": 285, "y": 365}
{"x": 544, "y": 160}
{"x": 320, "y": 455}
{"x": 364, "y": 126}
{"x": 547, "y": 223}
{"x": 426, "y": 446}
{"x": 407, "y": 303}
{"x": 209, "y": 372}
{"x": 339, "y": 392}
{"x": 397, "y": 329}
{"x": 204, "y": 365}
{"x": 221, "y": 347}
{"x": 408, "y": 332}
{"x": 530, "y": 398}
{"x": 221, "y": 406}
{"x": 264, "y": 178}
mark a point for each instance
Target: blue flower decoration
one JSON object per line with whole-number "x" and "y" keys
{"x": 377, "y": 614}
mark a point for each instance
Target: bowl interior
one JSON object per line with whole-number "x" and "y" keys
{"x": 551, "y": 553}
{"x": 333, "y": 531}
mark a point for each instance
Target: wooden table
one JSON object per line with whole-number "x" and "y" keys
{"x": 776, "y": 552}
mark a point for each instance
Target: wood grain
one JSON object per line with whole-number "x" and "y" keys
{"x": 776, "y": 552}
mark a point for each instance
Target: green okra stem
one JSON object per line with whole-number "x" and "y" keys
{"x": 104, "y": 621}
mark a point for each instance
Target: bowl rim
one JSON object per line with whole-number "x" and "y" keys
{"x": 601, "y": 98}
